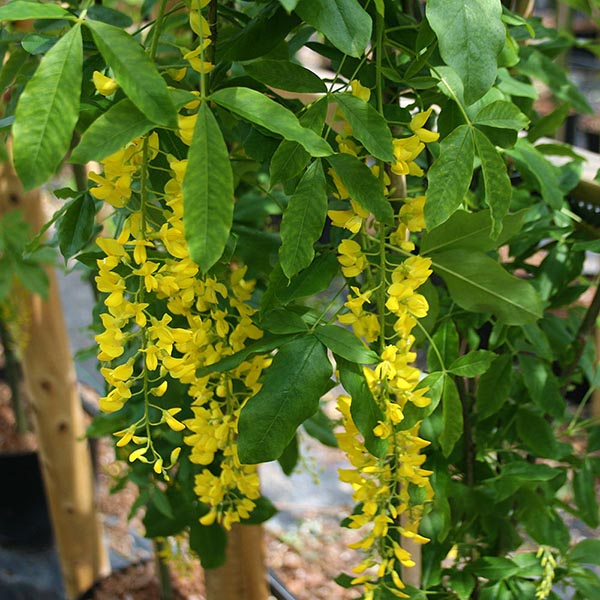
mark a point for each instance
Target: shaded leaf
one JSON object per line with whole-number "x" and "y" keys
{"x": 452, "y": 416}
{"x": 76, "y": 226}
{"x": 494, "y": 386}
{"x": 209, "y": 543}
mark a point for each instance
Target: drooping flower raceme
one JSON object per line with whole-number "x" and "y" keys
{"x": 391, "y": 488}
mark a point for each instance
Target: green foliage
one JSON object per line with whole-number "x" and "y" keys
{"x": 470, "y": 37}
{"x": 208, "y": 192}
{"x": 47, "y": 111}
{"x": 294, "y": 383}
{"x": 263, "y": 173}
{"x": 303, "y": 221}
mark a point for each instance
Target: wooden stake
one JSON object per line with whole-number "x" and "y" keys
{"x": 58, "y": 418}
{"x": 243, "y": 576}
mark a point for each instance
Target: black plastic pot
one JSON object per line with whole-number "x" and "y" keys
{"x": 24, "y": 517}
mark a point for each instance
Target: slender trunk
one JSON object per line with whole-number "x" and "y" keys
{"x": 243, "y": 576}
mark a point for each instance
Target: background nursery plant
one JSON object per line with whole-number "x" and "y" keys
{"x": 395, "y": 233}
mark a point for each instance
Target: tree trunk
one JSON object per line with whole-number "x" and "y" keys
{"x": 58, "y": 418}
{"x": 243, "y": 576}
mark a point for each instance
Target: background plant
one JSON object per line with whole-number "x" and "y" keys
{"x": 500, "y": 331}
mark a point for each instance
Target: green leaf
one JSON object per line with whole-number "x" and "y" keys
{"x": 501, "y": 114}
{"x": 207, "y": 192}
{"x": 311, "y": 280}
{"x": 285, "y": 75}
{"x": 368, "y": 126}
{"x": 257, "y": 108}
{"x": 362, "y": 185}
{"x": 262, "y": 512}
{"x": 32, "y": 276}
{"x": 449, "y": 176}
{"x": 472, "y": 364}
{"x": 548, "y": 124}
{"x": 110, "y": 132}
{"x": 498, "y": 189}
{"x": 586, "y": 552}
{"x": 462, "y": 583}
{"x": 320, "y": 427}
{"x": 363, "y": 408}
{"x": 471, "y": 35}
{"x": 345, "y": 344}
{"x": 48, "y": 110}
{"x": 209, "y": 543}
{"x": 265, "y": 344}
{"x": 76, "y": 226}
{"x": 412, "y": 413}
{"x": 542, "y": 385}
{"x": 530, "y": 472}
{"x": 161, "y": 502}
{"x": 478, "y": 283}
{"x": 470, "y": 230}
{"x": 343, "y": 22}
{"x": 452, "y": 416}
{"x": 289, "y": 459}
{"x": 494, "y": 386}
{"x": 281, "y": 320}
{"x": 135, "y": 73}
{"x": 496, "y": 567}
{"x": 543, "y": 175}
{"x": 444, "y": 345}
{"x": 290, "y": 158}
{"x": 303, "y": 221}
{"x": 537, "y": 435}
{"x": 586, "y": 499}
{"x": 289, "y": 5}
{"x": 21, "y": 10}
{"x": 292, "y": 386}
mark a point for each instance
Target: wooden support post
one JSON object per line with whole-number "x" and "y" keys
{"x": 595, "y": 408}
{"x": 58, "y": 418}
{"x": 243, "y": 576}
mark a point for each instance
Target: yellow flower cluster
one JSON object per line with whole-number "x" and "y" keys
{"x": 391, "y": 490}
{"x": 164, "y": 322}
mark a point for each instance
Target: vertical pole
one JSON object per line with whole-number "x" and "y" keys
{"x": 243, "y": 576}
{"x": 595, "y": 408}
{"x": 58, "y": 418}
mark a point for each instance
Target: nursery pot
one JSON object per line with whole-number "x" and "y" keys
{"x": 24, "y": 517}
